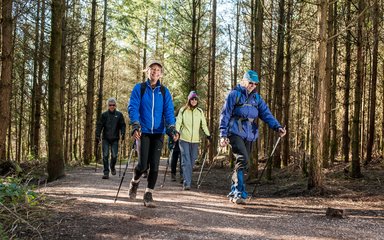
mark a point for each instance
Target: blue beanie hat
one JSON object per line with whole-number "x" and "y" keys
{"x": 251, "y": 76}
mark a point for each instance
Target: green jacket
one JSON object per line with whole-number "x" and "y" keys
{"x": 189, "y": 122}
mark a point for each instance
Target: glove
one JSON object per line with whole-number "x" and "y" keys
{"x": 224, "y": 141}
{"x": 122, "y": 137}
{"x": 171, "y": 143}
{"x": 209, "y": 138}
{"x": 135, "y": 127}
{"x": 282, "y": 132}
{"x": 171, "y": 131}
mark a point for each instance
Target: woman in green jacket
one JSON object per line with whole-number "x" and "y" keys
{"x": 188, "y": 123}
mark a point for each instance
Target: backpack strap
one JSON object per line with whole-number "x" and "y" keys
{"x": 143, "y": 87}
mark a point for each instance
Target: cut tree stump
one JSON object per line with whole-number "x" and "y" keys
{"x": 336, "y": 213}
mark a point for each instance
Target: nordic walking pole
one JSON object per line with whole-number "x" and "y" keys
{"x": 166, "y": 168}
{"x": 97, "y": 154}
{"x": 266, "y": 164}
{"x": 126, "y": 167}
{"x": 121, "y": 154}
{"x": 209, "y": 169}
{"x": 202, "y": 165}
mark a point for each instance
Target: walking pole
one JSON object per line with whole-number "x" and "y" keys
{"x": 202, "y": 165}
{"x": 209, "y": 169}
{"x": 121, "y": 154}
{"x": 97, "y": 154}
{"x": 266, "y": 164}
{"x": 126, "y": 167}
{"x": 166, "y": 168}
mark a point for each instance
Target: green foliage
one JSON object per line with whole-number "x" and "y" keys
{"x": 14, "y": 193}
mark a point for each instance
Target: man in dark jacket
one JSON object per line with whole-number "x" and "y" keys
{"x": 151, "y": 113}
{"x": 112, "y": 125}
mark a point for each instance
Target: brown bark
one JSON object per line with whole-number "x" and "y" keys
{"x": 234, "y": 83}
{"x": 334, "y": 140}
{"x": 55, "y": 141}
{"x": 372, "y": 114}
{"x": 346, "y": 139}
{"x": 355, "y": 164}
{"x": 287, "y": 84}
{"x": 326, "y": 88}
{"x": 34, "y": 81}
{"x": 212, "y": 75}
{"x": 88, "y": 134}
{"x": 6, "y": 73}
{"x": 101, "y": 77}
{"x": 145, "y": 45}
{"x": 278, "y": 85}
{"x": 193, "y": 56}
{"x": 315, "y": 179}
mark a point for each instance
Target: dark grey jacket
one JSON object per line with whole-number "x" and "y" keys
{"x": 111, "y": 123}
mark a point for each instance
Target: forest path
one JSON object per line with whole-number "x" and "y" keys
{"x": 84, "y": 208}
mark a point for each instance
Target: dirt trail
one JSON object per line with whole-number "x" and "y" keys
{"x": 84, "y": 209}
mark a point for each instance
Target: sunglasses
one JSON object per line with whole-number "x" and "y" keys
{"x": 112, "y": 105}
{"x": 252, "y": 83}
{"x": 194, "y": 99}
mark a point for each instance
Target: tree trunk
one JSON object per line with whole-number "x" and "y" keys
{"x": 21, "y": 106}
{"x": 193, "y": 57}
{"x": 355, "y": 165}
{"x": 6, "y": 73}
{"x": 252, "y": 38}
{"x": 145, "y": 45}
{"x": 101, "y": 79}
{"x": 212, "y": 75}
{"x": 372, "y": 115}
{"x": 287, "y": 84}
{"x": 55, "y": 141}
{"x": 234, "y": 83}
{"x": 259, "y": 34}
{"x": 258, "y": 29}
{"x": 334, "y": 140}
{"x": 327, "y": 89}
{"x": 346, "y": 139}
{"x": 278, "y": 86}
{"x": 315, "y": 180}
{"x": 63, "y": 67}
{"x": 34, "y": 82}
{"x": 89, "y": 134}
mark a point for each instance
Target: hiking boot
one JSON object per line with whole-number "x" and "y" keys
{"x": 105, "y": 177}
{"x": 113, "y": 171}
{"x": 133, "y": 189}
{"x": 148, "y": 200}
{"x": 145, "y": 174}
{"x": 173, "y": 177}
{"x": 186, "y": 188}
{"x": 238, "y": 200}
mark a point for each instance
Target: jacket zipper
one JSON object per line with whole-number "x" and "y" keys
{"x": 192, "y": 126}
{"x": 153, "y": 108}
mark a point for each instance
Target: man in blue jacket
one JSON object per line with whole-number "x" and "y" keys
{"x": 151, "y": 113}
{"x": 238, "y": 127}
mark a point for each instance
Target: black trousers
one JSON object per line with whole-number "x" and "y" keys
{"x": 150, "y": 152}
{"x": 176, "y": 158}
{"x": 241, "y": 150}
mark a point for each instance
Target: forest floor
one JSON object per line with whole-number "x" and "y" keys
{"x": 81, "y": 206}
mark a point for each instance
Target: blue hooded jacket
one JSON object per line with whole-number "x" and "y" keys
{"x": 150, "y": 110}
{"x": 240, "y": 112}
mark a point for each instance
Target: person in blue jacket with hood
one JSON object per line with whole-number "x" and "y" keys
{"x": 151, "y": 114}
{"x": 238, "y": 127}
